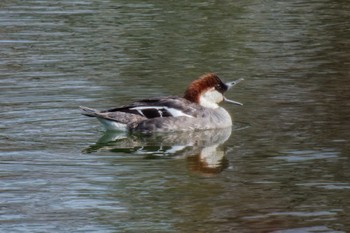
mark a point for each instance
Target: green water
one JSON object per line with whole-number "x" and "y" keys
{"x": 284, "y": 166}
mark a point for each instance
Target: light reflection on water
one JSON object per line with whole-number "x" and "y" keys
{"x": 286, "y": 170}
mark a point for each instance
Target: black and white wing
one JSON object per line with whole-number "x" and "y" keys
{"x": 159, "y": 107}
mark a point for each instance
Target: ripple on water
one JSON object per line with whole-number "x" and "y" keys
{"x": 307, "y": 155}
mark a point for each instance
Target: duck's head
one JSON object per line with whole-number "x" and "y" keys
{"x": 208, "y": 91}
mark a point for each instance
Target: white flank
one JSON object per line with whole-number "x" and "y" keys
{"x": 173, "y": 111}
{"x": 112, "y": 125}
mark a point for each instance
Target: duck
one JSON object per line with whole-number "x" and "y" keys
{"x": 198, "y": 109}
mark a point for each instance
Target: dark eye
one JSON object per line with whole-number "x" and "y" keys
{"x": 221, "y": 87}
{"x": 218, "y": 87}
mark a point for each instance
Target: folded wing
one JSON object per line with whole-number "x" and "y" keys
{"x": 159, "y": 107}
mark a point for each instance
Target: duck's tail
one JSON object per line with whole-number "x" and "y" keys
{"x": 110, "y": 121}
{"x": 90, "y": 112}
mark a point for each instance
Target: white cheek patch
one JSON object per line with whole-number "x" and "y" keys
{"x": 211, "y": 98}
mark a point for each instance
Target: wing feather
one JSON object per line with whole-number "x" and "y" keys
{"x": 160, "y": 107}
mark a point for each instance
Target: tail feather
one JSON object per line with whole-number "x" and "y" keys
{"x": 90, "y": 112}
{"x": 107, "y": 122}
{"x": 117, "y": 120}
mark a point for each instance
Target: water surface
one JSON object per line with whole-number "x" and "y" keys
{"x": 283, "y": 167}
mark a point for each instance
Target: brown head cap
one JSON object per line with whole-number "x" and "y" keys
{"x": 202, "y": 84}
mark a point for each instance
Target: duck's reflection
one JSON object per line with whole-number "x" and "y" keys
{"x": 202, "y": 149}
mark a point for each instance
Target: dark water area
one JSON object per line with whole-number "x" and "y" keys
{"x": 283, "y": 167}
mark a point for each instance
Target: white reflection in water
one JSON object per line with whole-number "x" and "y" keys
{"x": 202, "y": 149}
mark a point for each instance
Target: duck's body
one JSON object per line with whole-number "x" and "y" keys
{"x": 197, "y": 110}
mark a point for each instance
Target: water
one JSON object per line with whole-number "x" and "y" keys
{"x": 283, "y": 168}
